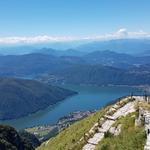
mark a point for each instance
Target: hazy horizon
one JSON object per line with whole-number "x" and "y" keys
{"x": 34, "y": 21}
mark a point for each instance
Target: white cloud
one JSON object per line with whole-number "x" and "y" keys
{"x": 121, "y": 33}
{"x": 32, "y": 40}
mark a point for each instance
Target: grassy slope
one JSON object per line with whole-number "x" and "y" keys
{"x": 131, "y": 137}
{"x": 68, "y": 138}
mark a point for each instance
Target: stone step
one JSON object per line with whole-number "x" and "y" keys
{"x": 148, "y": 143}
{"x": 109, "y": 117}
{"x": 96, "y": 138}
{"x": 88, "y": 147}
{"x": 146, "y": 147}
{"x": 107, "y": 124}
{"x": 101, "y": 130}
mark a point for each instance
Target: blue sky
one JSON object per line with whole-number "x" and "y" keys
{"x": 72, "y": 17}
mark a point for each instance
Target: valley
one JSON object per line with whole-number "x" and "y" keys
{"x": 89, "y": 98}
{"x": 74, "y": 75}
{"x": 41, "y": 86}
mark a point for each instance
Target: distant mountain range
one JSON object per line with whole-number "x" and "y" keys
{"x": 130, "y": 46}
{"x": 98, "y": 67}
{"x": 20, "y": 97}
{"x": 36, "y": 63}
{"x": 54, "y": 52}
{"x": 99, "y": 75}
{"x": 76, "y": 48}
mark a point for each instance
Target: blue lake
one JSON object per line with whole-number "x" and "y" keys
{"x": 88, "y": 98}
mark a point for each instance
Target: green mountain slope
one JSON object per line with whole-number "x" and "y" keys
{"x": 20, "y": 97}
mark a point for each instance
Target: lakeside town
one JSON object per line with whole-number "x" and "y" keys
{"x": 44, "y": 132}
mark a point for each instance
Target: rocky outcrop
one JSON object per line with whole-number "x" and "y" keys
{"x": 11, "y": 140}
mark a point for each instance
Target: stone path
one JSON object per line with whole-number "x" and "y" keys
{"x": 123, "y": 111}
{"x": 147, "y": 146}
{"x": 96, "y": 138}
{"x": 147, "y": 129}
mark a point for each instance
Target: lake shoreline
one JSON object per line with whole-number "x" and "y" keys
{"x": 99, "y": 96}
{"x": 39, "y": 109}
{"x": 47, "y": 131}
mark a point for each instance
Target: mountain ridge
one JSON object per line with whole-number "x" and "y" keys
{"x": 20, "y": 97}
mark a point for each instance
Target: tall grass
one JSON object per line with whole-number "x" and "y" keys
{"x": 130, "y": 138}
{"x": 69, "y": 138}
